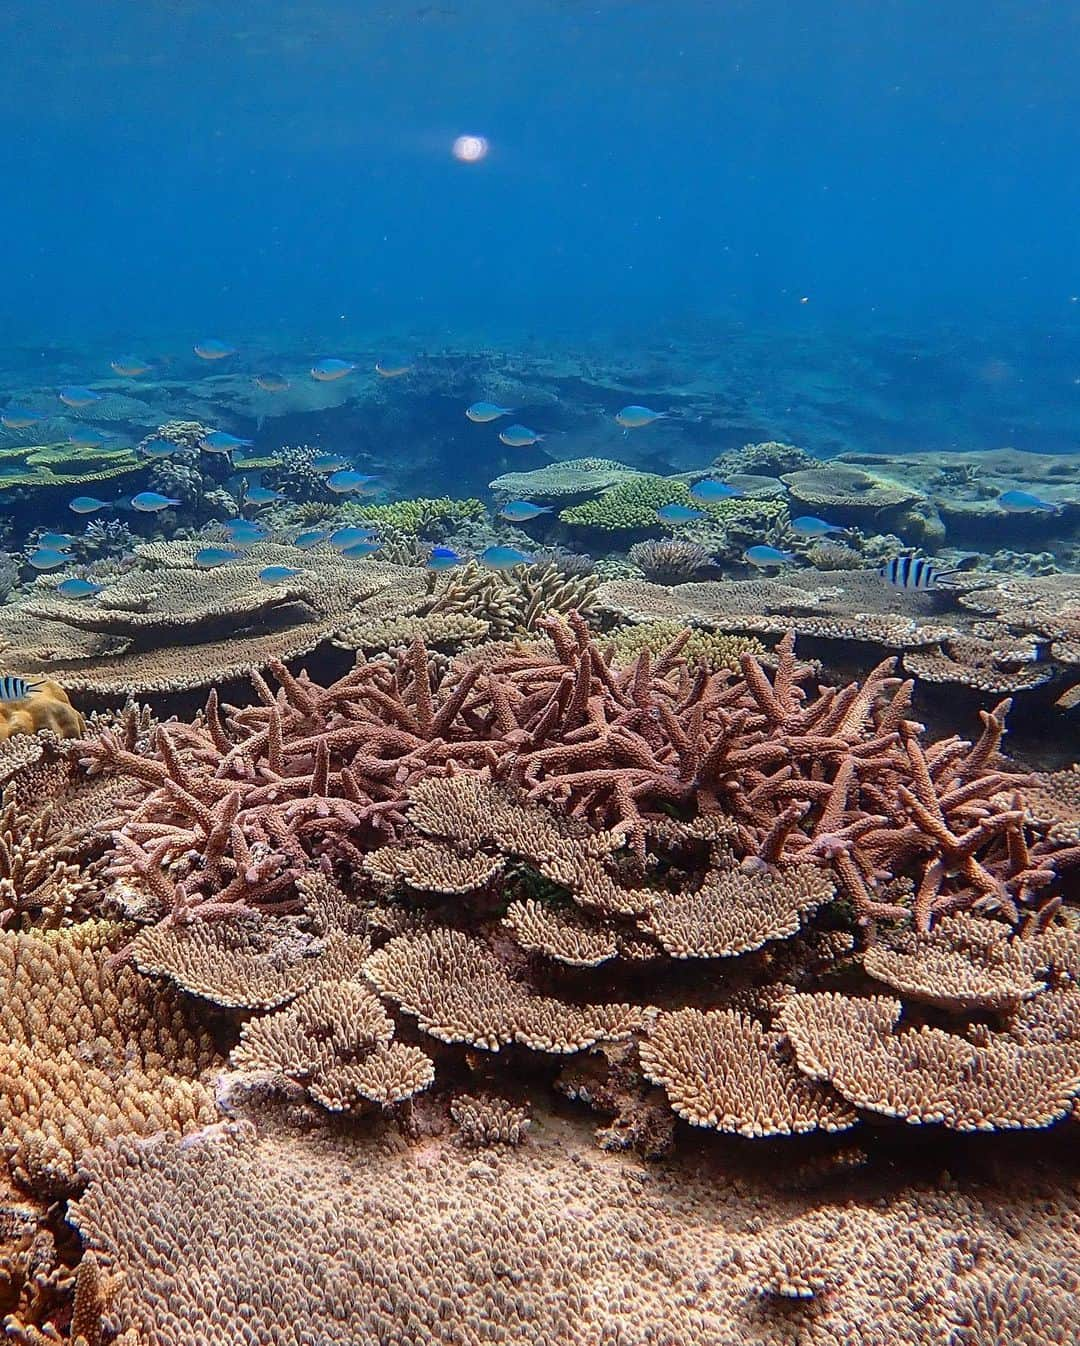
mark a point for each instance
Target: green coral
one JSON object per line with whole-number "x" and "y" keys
{"x": 423, "y": 517}
{"x": 714, "y": 649}
{"x": 632, "y": 506}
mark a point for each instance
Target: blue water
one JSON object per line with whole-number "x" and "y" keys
{"x": 875, "y": 200}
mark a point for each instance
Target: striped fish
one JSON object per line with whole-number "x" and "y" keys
{"x": 912, "y": 572}
{"x": 16, "y": 689}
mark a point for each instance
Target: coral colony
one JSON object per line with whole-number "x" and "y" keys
{"x": 421, "y": 906}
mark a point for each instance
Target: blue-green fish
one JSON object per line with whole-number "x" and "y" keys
{"x": 359, "y": 549}
{"x": 87, "y": 504}
{"x": 679, "y": 513}
{"x": 443, "y": 558}
{"x": 210, "y": 348}
{"x": 159, "y": 448}
{"x": 808, "y": 525}
{"x": 245, "y": 530}
{"x": 73, "y": 396}
{"x": 710, "y": 489}
{"x": 519, "y": 436}
{"x": 326, "y": 371}
{"x": 271, "y": 383}
{"x": 208, "y": 557}
{"x": 633, "y": 417}
{"x": 520, "y": 511}
{"x": 151, "y": 502}
{"x": 88, "y": 438}
{"x": 45, "y": 558}
{"x": 350, "y": 535}
{"x": 78, "y": 588}
{"x": 329, "y": 462}
{"x": 262, "y": 495}
{"x": 503, "y": 558}
{"x": 19, "y": 418}
{"x": 310, "y": 538}
{"x": 393, "y": 367}
{"x": 129, "y": 366}
{"x": 220, "y": 441}
{"x": 55, "y": 541}
{"x": 482, "y": 412}
{"x": 1022, "y": 502}
{"x": 277, "y": 574}
{"x": 348, "y": 480}
{"x": 767, "y": 556}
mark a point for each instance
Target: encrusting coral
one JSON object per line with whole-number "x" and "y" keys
{"x": 46, "y": 707}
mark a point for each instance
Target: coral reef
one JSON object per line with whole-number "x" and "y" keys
{"x": 46, "y": 707}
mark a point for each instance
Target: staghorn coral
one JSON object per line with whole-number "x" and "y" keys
{"x": 510, "y": 603}
{"x": 89, "y": 1051}
{"x": 722, "y": 1070}
{"x": 669, "y": 560}
{"x": 841, "y": 779}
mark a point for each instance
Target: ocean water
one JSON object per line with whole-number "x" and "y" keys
{"x": 823, "y": 173}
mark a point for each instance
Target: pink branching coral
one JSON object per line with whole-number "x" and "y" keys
{"x": 236, "y": 805}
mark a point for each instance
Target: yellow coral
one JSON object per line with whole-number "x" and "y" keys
{"x": 47, "y": 707}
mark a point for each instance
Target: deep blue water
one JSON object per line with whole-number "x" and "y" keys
{"x": 173, "y": 168}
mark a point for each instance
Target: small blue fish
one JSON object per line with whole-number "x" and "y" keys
{"x": 271, "y": 383}
{"x": 159, "y": 448}
{"x": 311, "y": 538}
{"x": 634, "y": 417}
{"x": 679, "y": 513}
{"x": 349, "y": 536}
{"x": 767, "y": 556}
{"x": 503, "y": 558}
{"x": 1022, "y": 502}
{"x": 73, "y": 396}
{"x": 87, "y": 504}
{"x": 443, "y": 558}
{"x": 55, "y": 541}
{"x": 45, "y": 558}
{"x": 150, "y": 502}
{"x": 245, "y": 530}
{"x": 277, "y": 574}
{"x": 129, "y": 366}
{"x": 519, "y": 511}
{"x": 208, "y": 557}
{"x": 210, "y": 348}
{"x": 519, "y": 436}
{"x": 88, "y": 438}
{"x": 220, "y": 441}
{"x": 912, "y": 572}
{"x": 808, "y": 525}
{"x": 13, "y": 688}
{"x": 330, "y": 369}
{"x": 359, "y": 549}
{"x": 262, "y": 495}
{"x": 711, "y": 489}
{"x": 78, "y": 588}
{"x": 19, "y": 418}
{"x": 329, "y": 462}
{"x": 482, "y": 412}
{"x": 348, "y": 480}
{"x": 393, "y": 367}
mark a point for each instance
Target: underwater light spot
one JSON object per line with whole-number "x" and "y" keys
{"x": 470, "y": 149}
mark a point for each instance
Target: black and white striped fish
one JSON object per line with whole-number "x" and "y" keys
{"x": 16, "y": 689}
{"x": 912, "y": 572}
